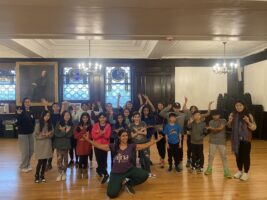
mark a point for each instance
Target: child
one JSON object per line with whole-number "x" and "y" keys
{"x": 101, "y": 134}
{"x": 43, "y": 145}
{"x": 63, "y": 133}
{"x": 138, "y": 134}
{"x": 217, "y": 140}
{"x": 172, "y": 134}
{"x": 197, "y": 126}
{"x": 83, "y": 148}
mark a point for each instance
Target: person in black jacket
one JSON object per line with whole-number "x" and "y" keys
{"x": 25, "y": 123}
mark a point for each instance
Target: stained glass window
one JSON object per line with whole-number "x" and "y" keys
{"x": 75, "y": 84}
{"x": 117, "y": 81}
{"x": 7, "y": 83}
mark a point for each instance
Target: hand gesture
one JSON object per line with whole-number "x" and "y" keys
{"x": 210, "y": 103}
{"x": 139, "y": 96}
{"x": 61, "y": 128}
{"x": 185, "y": 99}
{"x": 19, "y": 111}
{"x": 231, "y": 118}
{"x": 146, "y": 97}
{"x": 246, "y": 119}
{"x": 68, "y": 129}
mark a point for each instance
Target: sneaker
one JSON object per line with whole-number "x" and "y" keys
{"x": 59, "y": 177}
{"x": 170, "y": 169}
{"x": 178, "y": 169}
{"x": 191, "y": 169}
{"x": 238, "y": 175}
{"x": 25, "y": 170}
{"x": 71, "y": 163}
{"x": 208, "y": 171}
{"x": 63, "y": 178}
{"x": 180, "y": 166}
{"x": 150, "y": 175}
{"x": 244, "y": 177}
{"x": 29, "y": 168}
{"x": 43, "y": 179}
{"x": 199, "y": 170}
{"x": 227, "y": 173}
{"x": 188, "y": 163}
{"x": 129, "y": 188}
{"x": 105, "y": 179}
{"x": 37, "y": 180}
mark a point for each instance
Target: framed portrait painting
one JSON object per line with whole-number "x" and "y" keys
{"x": 38, "y": 81}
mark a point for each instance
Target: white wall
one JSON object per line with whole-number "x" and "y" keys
{"x": 255, "y": 82}
{"x": 200, "y": 84}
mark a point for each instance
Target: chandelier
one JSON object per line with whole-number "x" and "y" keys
{"x": 225, "y": 67}
{"x": 90, "y": 66}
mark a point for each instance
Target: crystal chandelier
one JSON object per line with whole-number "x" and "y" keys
{"x": 224, "y": 67}
{"x": 89, "y": 66}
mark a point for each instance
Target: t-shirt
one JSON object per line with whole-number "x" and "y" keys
{"x": 219, "y": 137}
{"x": 123, "y": 160}
{"x": 172, "y": 132}
{"x": 197, "y": 132}
{"x": 139, "y": 139}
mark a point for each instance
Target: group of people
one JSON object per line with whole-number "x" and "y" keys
{"x": 128, "y": 133}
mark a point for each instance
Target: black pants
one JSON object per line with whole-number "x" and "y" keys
{"x": 197, "y": 155}
{"x": 40, "y": 168}
{"x": 173, "y": 152}
{"x": 73, "y": 150}
{"x": 189, "y": 148}
{"x": 243, "y": 156}
{"x": 181, "y": 152}
{"x": 83, "y": 162}
{"x": 161, "y": 146}
{"x": 101, "y": 159}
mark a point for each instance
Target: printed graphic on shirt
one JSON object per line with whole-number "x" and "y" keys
{"x": 173, "y": 131}
{"x": 121, "y": 158}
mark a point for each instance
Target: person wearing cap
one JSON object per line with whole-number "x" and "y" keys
{"x": 180, "y": 119}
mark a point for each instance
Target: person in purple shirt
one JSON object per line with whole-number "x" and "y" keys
{"x": 123, "y": 172}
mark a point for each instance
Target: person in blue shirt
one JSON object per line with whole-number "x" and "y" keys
{"x": 172, "y": 133}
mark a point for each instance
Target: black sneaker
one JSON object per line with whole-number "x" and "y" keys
{"x": 105, "y": 179}
{"x": 129, "y": 188}
{"x": 170, "y": 169}
{"x": 71, "y": 163}
{"x": 43, "y": 179}
{"x": 177, "y": 169}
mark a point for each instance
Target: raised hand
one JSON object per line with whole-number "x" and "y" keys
{"x": 185, "y": 99}
{"x": 246, "y": 119}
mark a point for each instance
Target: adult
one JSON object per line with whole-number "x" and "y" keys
{"x": 123, "y": 171}
{"x": 242, "y": 123}
{"x": 25, "y": 123}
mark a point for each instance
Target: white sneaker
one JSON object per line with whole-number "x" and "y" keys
{"x": 30, "y": 168}
{"x": 244, "y": 177}
{"x": 238, "y": 175}
{"x": 59, "y": 177}
{"x": 63, "y": 178}
{"x": 150, "y": 175}
{"x": 25, "y": 170}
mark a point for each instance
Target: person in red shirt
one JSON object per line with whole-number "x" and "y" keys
{"x": 101, "y": 133}
{"x": 83, "y": 148}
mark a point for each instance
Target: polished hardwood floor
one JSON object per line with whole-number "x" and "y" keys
{"x": 16, "y": 185}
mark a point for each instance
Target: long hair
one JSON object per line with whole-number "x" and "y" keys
{"x": 123, "y": 121}
{"x": 23, "y": 103}
{"x": 149, "y": 112}
{"x": 118, "y": 142}
{"x": 62, "y": 121}
{"x": 81, "y": 123}
{"x": 245, "y": 112}
{"x": 42, "y": 122}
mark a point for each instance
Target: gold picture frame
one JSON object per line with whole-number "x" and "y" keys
{"x": 37, "y": 80}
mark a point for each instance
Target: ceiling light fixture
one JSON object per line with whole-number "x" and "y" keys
{"x": 89, "y": 66}
{"x": 225, "y": 67}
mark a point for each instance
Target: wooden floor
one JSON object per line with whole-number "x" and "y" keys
{"x": 18, "y": 186}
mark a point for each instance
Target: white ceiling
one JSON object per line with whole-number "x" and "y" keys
{"x": 149, "y": 49}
